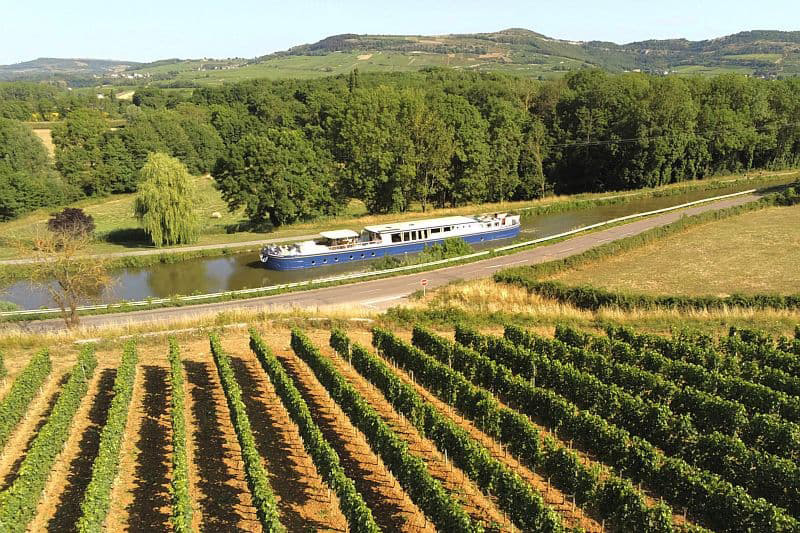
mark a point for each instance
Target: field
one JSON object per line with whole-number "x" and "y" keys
{"x": 282, "y": 430}
{"x": 47, "y": 139}
{"x": 757, "y": 252}
{"x": 314, "y": 66}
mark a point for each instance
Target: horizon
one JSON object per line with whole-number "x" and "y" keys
{"x": 185, "y": 30}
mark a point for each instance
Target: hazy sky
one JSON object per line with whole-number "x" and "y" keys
{"x": 145, "y": 30}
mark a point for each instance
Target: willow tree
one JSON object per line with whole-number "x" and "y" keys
{"x": 165, "y": 201}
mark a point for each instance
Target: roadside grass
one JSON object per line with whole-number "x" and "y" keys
{"x": 484, "y": 303}
{"x": 753, "y": 253}
{"x": 16, "y": 342}
{"x": 481, "y": 303}
{"x": 120, "y": 231}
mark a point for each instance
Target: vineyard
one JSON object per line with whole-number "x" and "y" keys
{"x": 277, "y": 429}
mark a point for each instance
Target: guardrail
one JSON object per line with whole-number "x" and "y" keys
{"x": 358, "y": 275}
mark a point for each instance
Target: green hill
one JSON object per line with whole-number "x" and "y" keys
{"x": 518, "y": 51}
{"x": 49, "y": 67}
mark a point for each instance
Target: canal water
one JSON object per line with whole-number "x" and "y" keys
{"x": 243, "y": 271}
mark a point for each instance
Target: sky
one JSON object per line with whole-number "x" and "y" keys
{"x": 146, "y": 30}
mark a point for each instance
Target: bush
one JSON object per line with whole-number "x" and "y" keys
{"x": 71, "y": 220}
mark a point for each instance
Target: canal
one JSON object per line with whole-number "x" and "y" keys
{"x": 242, "y": 271}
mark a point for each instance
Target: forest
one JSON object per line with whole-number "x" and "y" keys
{"x": 290, "y": 150}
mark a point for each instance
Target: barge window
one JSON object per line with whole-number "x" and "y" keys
{"x": 423, "y": 234}
{"x": 414, "y": 236}
{"x": 406, "y": 236}
{"x": 435, "y": 230}
{"x": 395, "y": 237}
{"x": 446, "y": 228}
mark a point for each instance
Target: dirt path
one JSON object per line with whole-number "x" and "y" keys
{"x": 304, "y": 500}
{"x": 391, "y": 506}
{"x": 16, "y": 448}
{"x": 59, "y": 509}
{"x": 140, "y": 500}
{"x": 482, "y": 509}
{"x": 245, "y": 245}
{"x": 217, "y": 471}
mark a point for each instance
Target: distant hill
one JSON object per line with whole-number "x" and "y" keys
{"x": 49, "y": 67}
{"x": 517, "y": 51}
{"x": 761, "y": 52}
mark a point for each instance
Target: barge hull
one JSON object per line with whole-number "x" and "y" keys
{"x": 347, "y": 256}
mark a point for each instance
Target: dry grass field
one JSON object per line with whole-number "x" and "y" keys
{"x": 756, "y": 252}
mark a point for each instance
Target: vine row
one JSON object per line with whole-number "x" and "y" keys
{"x": 613, "y": 498}
{"x": 410, "y": 471}
{"x": 257, "y": 479}
{"x": 720, "y": 504}
{"x": 19, "y": 501}
{"x": 516, "y": 497}
{"x": 23, "y": 390}
{"x": 756, "y": 397}
{"x": 181, "y": 500}
{"x": 325, "y": 458}
{"x": 97, "y": 498}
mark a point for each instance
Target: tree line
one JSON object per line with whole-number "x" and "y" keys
{"x": 295, "y": 149}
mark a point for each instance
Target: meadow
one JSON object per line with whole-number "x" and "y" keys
{"x": 757, "y": 252}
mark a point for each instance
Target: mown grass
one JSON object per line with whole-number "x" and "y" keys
{"x": 753, "y": 253}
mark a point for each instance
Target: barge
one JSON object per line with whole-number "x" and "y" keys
{"x": 373, "y": 242}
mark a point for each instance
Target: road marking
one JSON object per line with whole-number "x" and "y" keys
{"x": 368, "y": 291}
{"x": 514, "y": 262}
{"x": 386, "y": 299}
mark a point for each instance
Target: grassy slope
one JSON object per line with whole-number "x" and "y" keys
{"x": 756, "y": 252}
{"x": 379, "y": 61}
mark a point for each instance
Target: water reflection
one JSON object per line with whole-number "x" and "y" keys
{"x": 243, "y": 271}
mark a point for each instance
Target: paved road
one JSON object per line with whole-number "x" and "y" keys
{"x": 384, "y": 293}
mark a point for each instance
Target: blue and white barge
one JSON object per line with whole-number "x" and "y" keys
{"x": 343, "y": 246}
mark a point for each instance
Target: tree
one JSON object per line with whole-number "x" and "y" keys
{"x": 62, "y": 266}
{"x": 117, "y": 171}
{"x": 467, "y": 168}
{"x": 71, "y": 221}
{"x": 432, "y": 142}
{"x": 21, "y": 149}
{"x": 79, "y": 141}
{"x": 165, "y": 202}
{"x": 505, "y": 146}
{"x": 377, "y": 150}
{"x": 206, "y": 141}
{"x": 27, "y": 180}
{"x": 532, "y": 183}
{"x": 21, "y": 192}
{"x": 278, "y": 177}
